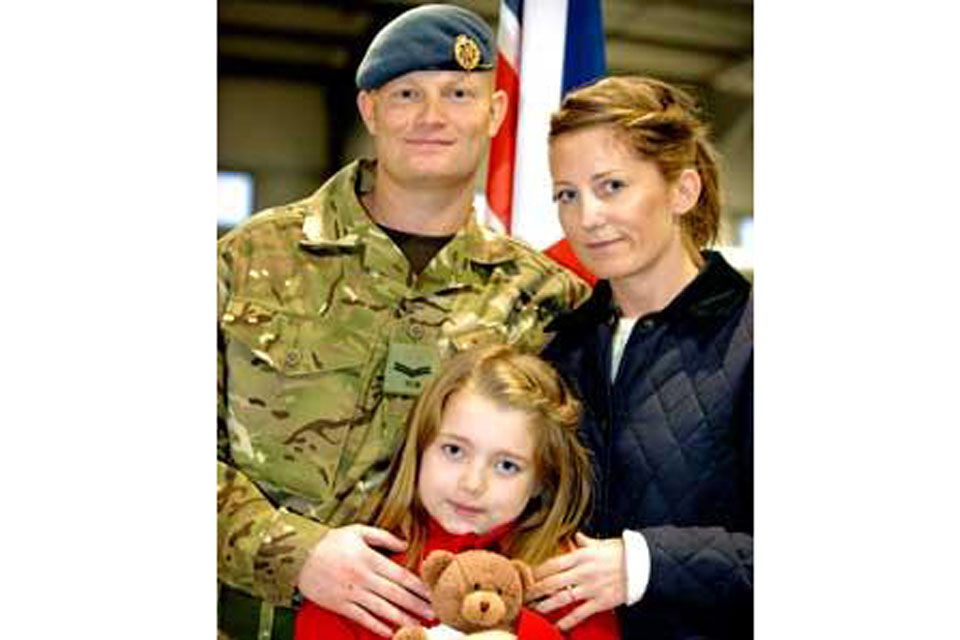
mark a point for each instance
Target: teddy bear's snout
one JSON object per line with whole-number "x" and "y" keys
{"x": 484, "y": 608}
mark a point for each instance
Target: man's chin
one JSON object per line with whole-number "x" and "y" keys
{"x": 428, "y": 176}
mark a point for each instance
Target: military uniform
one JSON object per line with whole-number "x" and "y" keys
{"x": 325, "y": 337}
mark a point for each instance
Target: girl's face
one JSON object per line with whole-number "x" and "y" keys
{"x": 479, "y": 471}
{"x": 617, "y": 210}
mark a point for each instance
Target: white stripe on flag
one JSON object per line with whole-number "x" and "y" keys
{"x": 508, "y": 35}
{"x": 541, "y": 83}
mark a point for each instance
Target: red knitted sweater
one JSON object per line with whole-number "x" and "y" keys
{"x": 315, "y": 623}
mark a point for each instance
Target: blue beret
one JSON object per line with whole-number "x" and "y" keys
{"x": 432, "y": 37}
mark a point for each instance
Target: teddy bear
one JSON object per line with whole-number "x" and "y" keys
{"x": 476, "y": 592}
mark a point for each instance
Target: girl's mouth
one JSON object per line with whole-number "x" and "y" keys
{"x": 465, "y": 510}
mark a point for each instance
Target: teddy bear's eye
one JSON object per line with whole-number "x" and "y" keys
{"x": 499, "y": 591}
{"x": 476, "y": 586}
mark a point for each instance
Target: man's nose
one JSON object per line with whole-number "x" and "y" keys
{"x": 431, "y": 111}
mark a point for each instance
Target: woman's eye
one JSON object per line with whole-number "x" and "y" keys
{"x": 564, "y": 196}
{"x": 613, "y": 185}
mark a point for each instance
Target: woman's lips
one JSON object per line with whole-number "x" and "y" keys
{"x": 602, "y": 244}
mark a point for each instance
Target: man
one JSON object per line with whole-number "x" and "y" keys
{"x": 334, "y": 310}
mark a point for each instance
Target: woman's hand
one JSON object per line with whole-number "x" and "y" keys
{"x": 595, "y": 573}
{"x": 345, "y": 575}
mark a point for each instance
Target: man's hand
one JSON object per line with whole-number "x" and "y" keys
{"x": 595, "y": 573}
{"x": 343, "y": 574}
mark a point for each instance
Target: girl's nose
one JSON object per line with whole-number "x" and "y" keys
{"x": 472, "y": 479}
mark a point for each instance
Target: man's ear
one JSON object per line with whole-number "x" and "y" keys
{"x": 685, "y": 191}
{"x": 499, "y": 103}
{"x": 434, "y": 565}
{"x": 365, "y": 104}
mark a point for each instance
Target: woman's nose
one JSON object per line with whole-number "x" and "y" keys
{"x": 592, "y": 212}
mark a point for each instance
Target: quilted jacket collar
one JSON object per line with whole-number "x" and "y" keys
{"x": 715, "y": 292}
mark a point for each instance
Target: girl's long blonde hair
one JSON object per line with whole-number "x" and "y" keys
{"x": 516, "y": 381}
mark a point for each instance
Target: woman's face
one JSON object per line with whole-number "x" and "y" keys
{"x": 617, "y": 210}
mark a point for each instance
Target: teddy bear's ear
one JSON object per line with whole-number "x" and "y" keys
{"x": 526, "y": 573}
{"x": 434, "y": 565}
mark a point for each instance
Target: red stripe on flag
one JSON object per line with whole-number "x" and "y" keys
{"x": 503, "y": 147}
{"x": 562, "y": 253}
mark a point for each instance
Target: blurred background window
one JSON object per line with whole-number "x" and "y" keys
{"x": 234, "y": 198}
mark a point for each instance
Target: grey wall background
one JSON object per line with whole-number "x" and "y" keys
{"x": 285, "y": 99}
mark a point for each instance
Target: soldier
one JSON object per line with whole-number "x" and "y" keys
{"x": 334, "y": 310}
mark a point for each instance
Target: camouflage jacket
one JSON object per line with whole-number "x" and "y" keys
{"x": 314, "y": 300}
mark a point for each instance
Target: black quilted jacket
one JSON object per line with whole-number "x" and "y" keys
{"x": 672, "y": 441}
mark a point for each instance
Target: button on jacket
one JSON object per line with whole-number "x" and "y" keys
{"x": 672, "y": 440}
{"x": 311, "y": 297}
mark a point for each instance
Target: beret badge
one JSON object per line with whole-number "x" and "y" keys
{"x": 466, "y": 51}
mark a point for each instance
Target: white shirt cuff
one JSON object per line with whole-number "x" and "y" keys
{"x": 637, "y": 558}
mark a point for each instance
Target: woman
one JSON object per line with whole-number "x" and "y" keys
{"x": 662, "y": 357}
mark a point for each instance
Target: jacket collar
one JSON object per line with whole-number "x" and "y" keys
{"x": 335, "y": 220}
{"x": 714, "y": 292}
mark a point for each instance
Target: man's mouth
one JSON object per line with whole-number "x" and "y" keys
{"x": 428, "y": 142}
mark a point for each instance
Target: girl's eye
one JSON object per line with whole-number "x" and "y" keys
{"x": 508, "y": 467}
{"x": 564, "y": 196}
{"x": 453, "y": 451}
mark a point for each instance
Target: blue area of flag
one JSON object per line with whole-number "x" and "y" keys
{"x": 515, "y": 6}
{"x": 585, "y": 57}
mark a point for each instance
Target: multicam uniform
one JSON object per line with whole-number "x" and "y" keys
{"x": 325, "y": 337}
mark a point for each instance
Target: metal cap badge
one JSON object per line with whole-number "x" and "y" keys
{"x": 466, "y": 51}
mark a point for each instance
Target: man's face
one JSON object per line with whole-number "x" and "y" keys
{"x": 431, "y": 127}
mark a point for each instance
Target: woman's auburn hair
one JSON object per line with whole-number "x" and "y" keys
{"x": 563, "y": 475}
{"x": 658, "y": 122}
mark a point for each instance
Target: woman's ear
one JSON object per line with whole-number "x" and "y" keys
{"x": 685, "y": 191}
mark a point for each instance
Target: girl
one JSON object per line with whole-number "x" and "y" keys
{"x": 491, "y": 460}
{"x": 662, "y": 358}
